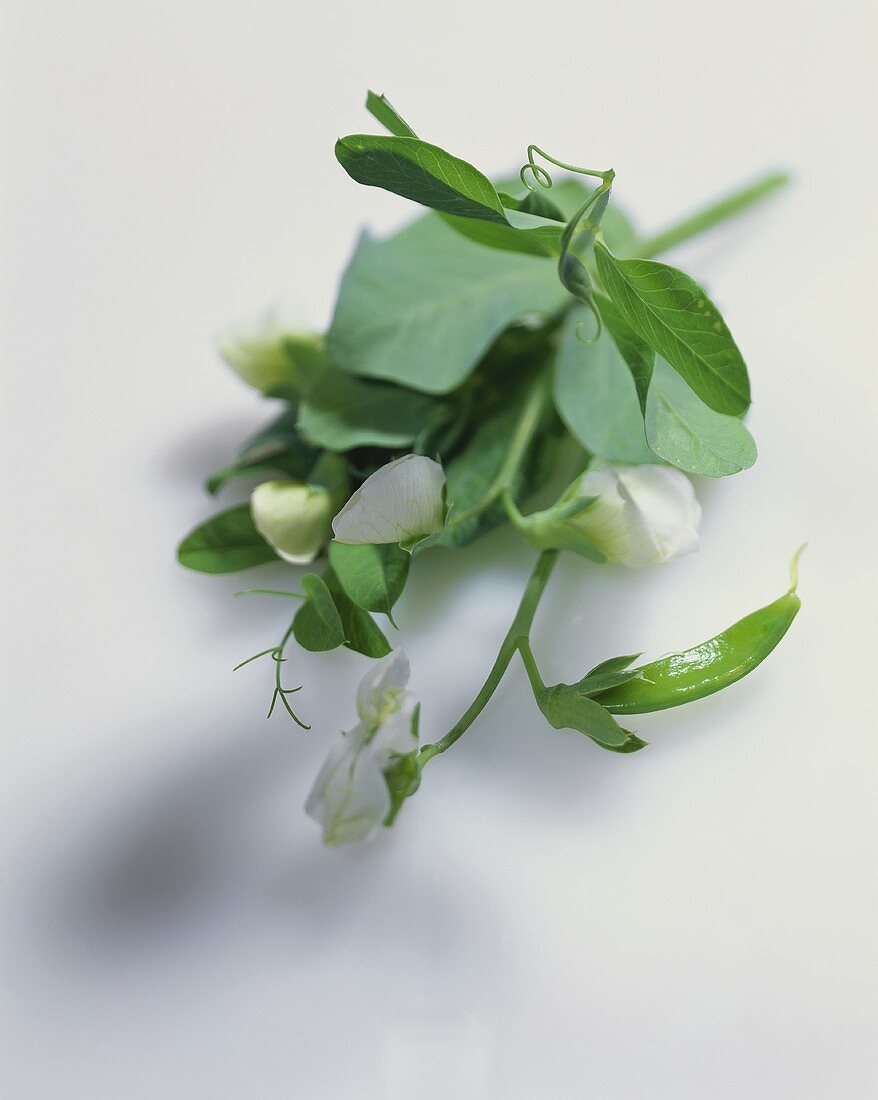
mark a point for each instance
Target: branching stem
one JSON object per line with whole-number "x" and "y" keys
{"x": 517, "y": 633}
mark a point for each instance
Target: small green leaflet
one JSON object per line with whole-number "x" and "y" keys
{"x": 317, "y": 626}
{"x": 422, "y": 307}
{"x": 682, "y": 430}
{"x": 595, "y": 395}
{"x": 225, "y": 543}
{"x": 277, "y": 449}
{"x": 422, "y": 172}
{"x": 342, "y": 412}
{"x": 381, "y": 107}
{"x": 360, "y": 630}
{"x": 372, "y": 576}
{"x": 676, "y": 318}
{"x": 567, "y": 706}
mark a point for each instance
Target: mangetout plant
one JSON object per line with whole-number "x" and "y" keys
{"x": 510, "y": 330}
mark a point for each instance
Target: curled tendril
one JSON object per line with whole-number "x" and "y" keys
{"x": 599, "y": 324}
{"x": 542, "y": 176}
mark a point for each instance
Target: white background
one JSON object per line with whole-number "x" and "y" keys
{"x": 547, "y": 920}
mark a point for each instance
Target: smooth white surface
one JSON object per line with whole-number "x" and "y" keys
{"x": 548, "y": 920}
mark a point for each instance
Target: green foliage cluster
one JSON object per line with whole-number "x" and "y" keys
{"x": 506, "y": 324}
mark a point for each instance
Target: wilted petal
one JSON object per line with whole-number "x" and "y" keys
{"x": 401, "y": 502}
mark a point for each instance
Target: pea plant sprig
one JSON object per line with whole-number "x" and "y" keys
{"x": 512, "y": 334}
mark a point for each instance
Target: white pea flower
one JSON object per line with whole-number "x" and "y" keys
{"x": 295, "y": 519}
{"x": 642, "y": 515}
{"x": 402, "y": 502}
{"x": 350, "y": 797}
{"x": 272, "y": 355}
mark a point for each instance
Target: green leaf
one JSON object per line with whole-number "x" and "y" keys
{"x": 277, "y": 449}
{"x": 422, "y": 172}
{"x": 639, "y": 356}
{"x": 361, "y": 633}
{"x": 381, "y": 107}
{"x": 342, "y": 412}
{"x": 671, "y": 313}
{"x": 576, "y": 243}
{"x": 567, "y": 707}
{"x": 226, "y": 543}
{"x": 422, "y": 307}
{"x": 613, "y": 664}
{"x": 372, "y": 576}
{"x": 317, "y": 626}
{"x": 685, "y": 432}
{"x": 595, "y": 396}
{"x": 520, "y": 231}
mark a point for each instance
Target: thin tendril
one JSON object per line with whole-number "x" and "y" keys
{"x": 589, "y": 305}
{"x": 542, "y": 176}
{"x": 280, "y": 692}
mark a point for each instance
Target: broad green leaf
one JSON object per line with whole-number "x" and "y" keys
{"x": 671, "y": 313}
{"x": 277, "y": 449}
{"x": 422, "y": 172}
{"x": 596, "y": 398}
{"x": 342, "y": 412}
{"x": 422, "y": 307}
{"x": 372, "y": 576}
{"x": 360, "y": 630}
{"x": 639, "y": 356}
{"x": 381, "y": 107}
{"x": 685, "y": 432}
{"x": 521, "y": 231}
{"x": 317, "y": 626}
{"x": 225, "y": 543}
{"x": 567, "y": 707}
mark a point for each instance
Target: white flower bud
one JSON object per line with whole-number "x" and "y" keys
{"x": 350, "y": 797}
{"x": 272, "y": 356}
{"x": 641, "y": 515}
{"x": 294, "y": 518}
{"x": 402, "y": 502}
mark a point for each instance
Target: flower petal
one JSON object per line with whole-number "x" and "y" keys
{"x": 662, "y": 514}
{"x": 401, "y": 502}
{"x": 293, "y": 518}
{"x": 380, "y": 688}
{"x": 350, "y": 797}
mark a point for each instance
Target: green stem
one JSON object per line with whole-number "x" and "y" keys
{"x": 525, "y": 429}
{"x": 530, "y": 665}
{"x": 712, "y": 215}
{"x": 519, "y": 630}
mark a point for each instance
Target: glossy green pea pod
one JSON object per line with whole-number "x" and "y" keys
{"x": 694, "y": 673}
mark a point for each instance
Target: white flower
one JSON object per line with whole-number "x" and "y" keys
{"x": 272, "y": 355}
{"x": 643, "y": 515}
{"x": 294, "y": 518}
{"x": 402, "y": 502}
{"x": 350, "y": 797}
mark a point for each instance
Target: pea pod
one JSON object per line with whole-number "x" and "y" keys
{"x": 683, "y": 677}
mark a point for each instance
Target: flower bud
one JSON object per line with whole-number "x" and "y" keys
{"x": 351, "y": 797}
{"x": 273, "y": 358}
{"x": 402, "y": 502}
{"x": 295, "y": 518}
{"x": 636, "y": 515}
